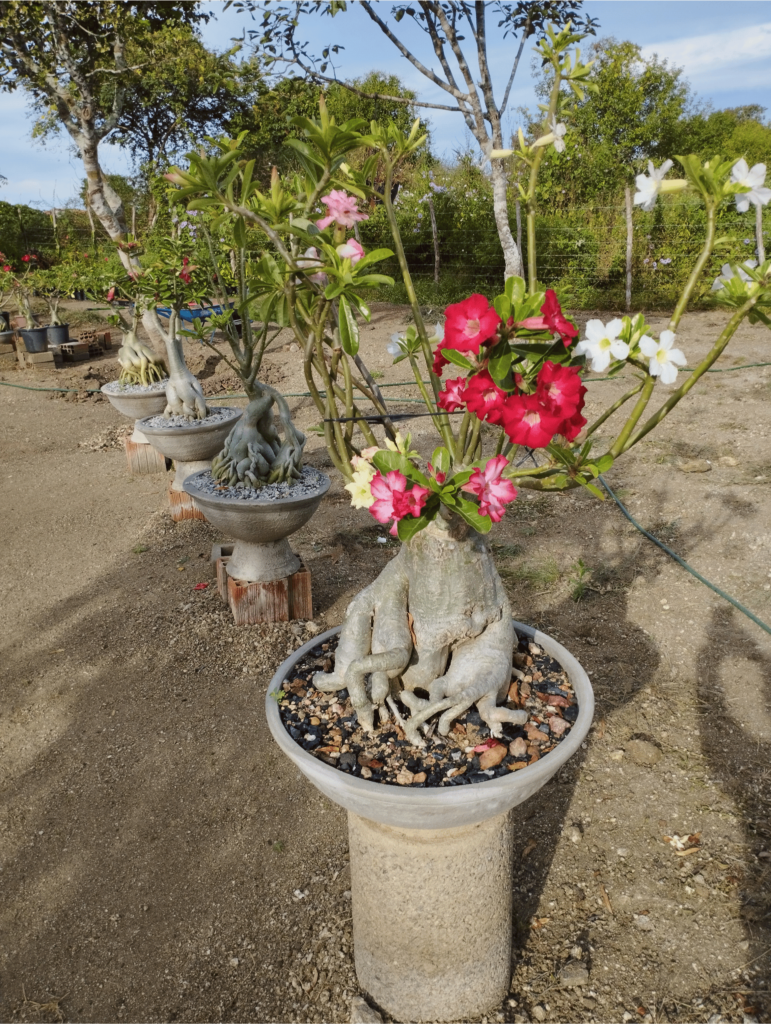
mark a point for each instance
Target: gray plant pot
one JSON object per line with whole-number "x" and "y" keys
{"x": 192, "y": 448}
{"x": 260, "y": 528}
{"x": 432, "y": 866}
{"x": 58, "y": 334}
{"x": 136, "y": 405}
{"x": 34, "y": 338}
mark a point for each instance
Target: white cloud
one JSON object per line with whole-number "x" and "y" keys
{"x": 703, "y": 56}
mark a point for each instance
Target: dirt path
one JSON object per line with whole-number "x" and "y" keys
{"x": 160, "y": 859}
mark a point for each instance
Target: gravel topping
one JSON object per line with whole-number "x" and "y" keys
{"x": 326, "y": 725}
{"x": 311, "y": 482}
{"x": 216, "y": 414}
{"x": 116, "y": 388}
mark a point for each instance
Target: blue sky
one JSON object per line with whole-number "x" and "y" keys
{"x": 724, "y": 49}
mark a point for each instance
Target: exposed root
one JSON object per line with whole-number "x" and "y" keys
{"x": 184, "y": 397}
{"x": 254, "y": 454}
{"x": 437, "y": 619}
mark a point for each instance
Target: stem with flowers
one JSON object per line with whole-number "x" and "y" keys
{"x": 433, "y": 631}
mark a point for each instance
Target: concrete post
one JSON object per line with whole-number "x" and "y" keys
{"x": 432, "y": 917}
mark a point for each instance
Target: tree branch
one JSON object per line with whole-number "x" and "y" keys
{"x": 376, "y": 95}
{"x": 525, "y": 36}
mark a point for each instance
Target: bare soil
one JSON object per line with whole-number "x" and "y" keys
{"x": 161, "y": 861}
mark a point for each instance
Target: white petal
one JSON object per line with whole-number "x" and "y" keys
{"x": 619, "y": 349}
{"x": 654, "y": 368}
{"x": 582, "y": 348}
{"x": 614, "y": 328}
{"x": 666, "y": 339}
{"x": 739, "y": 170}
{"x": 600, "y": 360}
{"x": 664, "y": 168}
{"x": 648, "y": 346}
{"x": 559, "y": 145}
{"x": 595, "y": 330}
{"x": 743, "y": 202}
{"x": 762, "y": 194}
{"x": 718, "y": 284}
{"x": 668, "y": 373}
{"x": 677, "y": 356}
{"x": 756, "y": 175}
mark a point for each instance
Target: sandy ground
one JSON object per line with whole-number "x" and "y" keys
{"x": 161, "y": 861}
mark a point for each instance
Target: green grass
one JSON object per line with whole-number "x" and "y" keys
{"x": 542, "y": 574}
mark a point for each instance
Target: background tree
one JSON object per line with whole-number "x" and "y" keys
{"x": 458, "y": 33}
{"x": 635, "y": 115}
{"x": 735, "y": 131}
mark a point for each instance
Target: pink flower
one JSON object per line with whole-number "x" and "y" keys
{"x": 6, "y": 269}
{"x": 437, "y": 474}
{"x": 492, "y": 491}
{"x": 552, "y": 320}
{"x": 388, "y": 490}
{"x": 111, "y": 294}
{"x": 528, "y": 422}
{"x": 308, "y": 262}
{"x": 350, "y": 250}
{"x": 342, "y": 209}
{"x": 451, "y": 398}
{"x": 484, "y": 398}
{"x": 185, "y": 271}
{"x": 412, "y": 502}
{"x": 469, "y": 324}
{"x": 25, "y": 259}
{"x": 439, "y": 359}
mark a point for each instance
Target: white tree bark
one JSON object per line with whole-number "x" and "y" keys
{"x": 511, "y": 253}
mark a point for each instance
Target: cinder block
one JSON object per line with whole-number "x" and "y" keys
{"x": 183, "y": 507}
{"x": 143, "y": 459}
{"x": 275, "y": 601}
{"x": 74, "y": 351}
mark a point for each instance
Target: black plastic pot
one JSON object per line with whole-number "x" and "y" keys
{"x": 34, "y": 338}
{"x": 58, "y": 335}
{"x": 5, "y": 318}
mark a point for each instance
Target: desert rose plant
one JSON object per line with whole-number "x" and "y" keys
{"x": 434, "y": 630}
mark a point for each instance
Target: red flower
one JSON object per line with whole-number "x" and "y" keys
{"x": 184, "y": 272}
{"x": 200, "y": 586}
{"x": 411, "y": 502}
{"x": 527, "y": 422}
{"x": 552, "y": 320}
{"x": 437, "y": 474}
{"x": 7, "y": 269}
{"x": 571, "y": 428}
{"x": 111, "y": 294}
{"x": 484, "y": 398}
{"x": 439, "y": 361}
{"x": 25, "y": 259}
{"x": 469, "y": 324}
{"x": 85, "y": 255}
{"x": 451, "y": 398}
{"x": 393, "y": 500}
{"x": 559, "y": 389}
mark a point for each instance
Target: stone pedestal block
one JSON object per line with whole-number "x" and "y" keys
{"x": 143, "y": 458}
{"x": 182, "y": 505}
{"x": 432, "y": 917}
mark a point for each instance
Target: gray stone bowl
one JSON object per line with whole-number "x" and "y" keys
{"x": 199, "y": 442}
{"x": 136, "y": 404}
{"x": 435, "y": 808}
{"x": 260, "y": 528}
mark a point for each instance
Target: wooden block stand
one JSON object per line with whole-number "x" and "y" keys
{"x": 143, "y": 458}
{"x": 182, "y": 506}
{"x": 276, "y": 601}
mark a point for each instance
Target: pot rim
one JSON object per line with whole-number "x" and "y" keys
{"x": 436, "y": 796}
{"x": 30, "y": 330}
{"x": 152, "y": 389}
{"x": 196, "y": 427}
{"x": 253, "y": 504}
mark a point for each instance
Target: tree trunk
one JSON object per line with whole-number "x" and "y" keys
{"x": 511, "y": 254}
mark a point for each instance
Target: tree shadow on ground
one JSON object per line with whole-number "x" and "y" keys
{"x": 734, "y": 688}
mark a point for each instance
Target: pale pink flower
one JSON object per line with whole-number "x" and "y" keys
{"x": 492, "y": 491}
{"x": 350, "y": 250}
{"x": 342, "y": 209}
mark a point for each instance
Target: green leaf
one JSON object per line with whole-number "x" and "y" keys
{"x": 515, "y": 289}
{"x": 440, "y": 460}
{"x": 349, "y": 329}
{"x": 386, "y": 462}
{"x": 407, "y": 528}
{"x": 591, "y": 487}
{"x": 452, "y": 355}
{"x": 500, "y": 369}
{"x": 604, "y": 463}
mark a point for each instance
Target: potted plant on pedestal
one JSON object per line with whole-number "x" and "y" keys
{"x": 22, "y": 286}
{"x": 431, "y": 640}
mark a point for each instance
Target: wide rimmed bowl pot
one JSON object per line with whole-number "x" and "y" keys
{"x": 431, "y": 868}
{"x": 192, "y": 448}
{"x": 137, "y": 404}
{"x": 259, "y": 527}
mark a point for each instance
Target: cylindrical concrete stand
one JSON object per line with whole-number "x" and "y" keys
{"x": 432, "y": 917}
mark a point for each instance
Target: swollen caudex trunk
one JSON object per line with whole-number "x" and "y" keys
{"x": 139, "y": 364}
{"x": 184, "y": 394}
{"x": 436, "y": 620}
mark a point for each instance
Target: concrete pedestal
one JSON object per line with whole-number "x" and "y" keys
{"x": 432, "y": 917}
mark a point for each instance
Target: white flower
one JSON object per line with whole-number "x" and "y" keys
{"x": 753, "y": 178}
{"x": 396, "y": 347}
{"x": 601, "y": 343}
{"x": 662, "y": 356}
{"x": 727, "y": 274}
{"x": 648, "y": 188}
{"x": 359, "y": 487}
{"x": 438, "y": 334}
{"x": 558, "y": 131}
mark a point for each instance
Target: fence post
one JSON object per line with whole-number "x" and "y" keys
{"x": 629, "y": 245}
{"x": 435, "y": 233}
{"x": 759, "y": 233}
{"x": 134, "y": 220}
{"x": 519, "y": 231}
